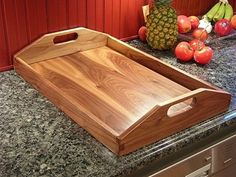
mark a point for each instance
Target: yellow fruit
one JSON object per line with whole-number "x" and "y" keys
{"x": 162, "y": 30}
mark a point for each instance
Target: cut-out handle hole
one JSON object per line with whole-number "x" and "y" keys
{"x": 65, "y": 38}
{"x": 181, "y": 107}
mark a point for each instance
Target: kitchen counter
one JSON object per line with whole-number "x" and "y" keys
{"x": 37, "y": 139}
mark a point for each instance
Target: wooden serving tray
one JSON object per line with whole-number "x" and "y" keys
{"x": 122, "y": 96}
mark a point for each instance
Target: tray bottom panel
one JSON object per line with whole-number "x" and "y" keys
{"x": 110, "y": 86}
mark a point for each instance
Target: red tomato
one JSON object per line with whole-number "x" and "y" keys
{"x": 200, "y": 34}
{"x": 184, "y": 24}
{"x": 196, "y": 44}
{"x": 223, "y": 27}
{"x": 142, "y": 32}
{"x": 184, "y": 51}
{"x": 204, "y": 55}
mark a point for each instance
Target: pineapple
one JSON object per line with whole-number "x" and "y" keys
{"x": 162, "y": 30}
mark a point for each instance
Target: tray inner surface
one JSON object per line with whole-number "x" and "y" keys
{"x": 109, "y": 85}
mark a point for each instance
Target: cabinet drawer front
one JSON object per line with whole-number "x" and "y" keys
{"x": 227, "y": 172}
{"x": 187, "y": 166}
{"x": 224, "y": 155}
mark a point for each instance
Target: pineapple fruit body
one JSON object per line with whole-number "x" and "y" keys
{"x": 162, "y": 29}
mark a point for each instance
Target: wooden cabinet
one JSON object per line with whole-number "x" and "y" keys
{"x": 229, "y": 171}
{"x": 218, "y": 160}
{"x": 224, "y": 155}
{"x": 197, "y": 165}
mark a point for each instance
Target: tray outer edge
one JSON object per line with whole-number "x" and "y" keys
{"x": 159, "y": 125}
{"x": 99, "y": 131}
{"x": 95, "y": 127}
{"x": 145, "y": 131}
{"x": 183, "y": 78}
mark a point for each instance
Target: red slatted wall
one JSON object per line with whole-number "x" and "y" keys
{"x": 22, "y": 21}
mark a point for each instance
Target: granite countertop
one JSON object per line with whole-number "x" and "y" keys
{"x": 37, "y": 139}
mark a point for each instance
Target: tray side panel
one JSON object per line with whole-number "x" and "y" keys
{"x": 208, "y": 103}
{"x": 177, "y": 75}
{"x": 44, "y": 48}
{"x": 99, "y": 130}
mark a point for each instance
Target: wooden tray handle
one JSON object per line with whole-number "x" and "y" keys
{"x": 78, "y": 31}
{"x": 195, "y": 101}
{"x": 191, "y": 96}
{"x": 204, "y": 103}
{"x": 48, "y": 46}
{"x": 157, "y": 124}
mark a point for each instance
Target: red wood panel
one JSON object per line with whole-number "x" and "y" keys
{"x": 36, "y": 18}
{"x": 22, "y": 21}
{"x": 72, "y": 13}
{"x": 116, "y": 18}
{"x": 133, "y": 23}
{"x": 4, "y": 55}
{"x": 11, "y": 28}
{"x": 82, "y": 13}
{"x": 100, "y": 15}
{"x": 108, "y": 16}
{"x": 91, "y": 14}
{"x": 139, "y": 17}
{"x": 56, "y": 15}
{"x": 196, "y": 7}
{"x": 233, "y": 3}
{"x": 205, "y": 6}
{"x": 187, "y": 7}
{"x": 124, "y": 23}
{"x": 131, "y": 17}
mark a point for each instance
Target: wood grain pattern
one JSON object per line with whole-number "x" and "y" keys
{"x": 146, "y": 130}
{"x": 112, "y": 87}
{"x": 158, "y": 66}
{"x": 122, "y": 96}
{"x": 75, "y": 111}
{"x": 44, "y": 48}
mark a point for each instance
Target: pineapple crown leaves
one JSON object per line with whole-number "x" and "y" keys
{"x": 162, "y": 2}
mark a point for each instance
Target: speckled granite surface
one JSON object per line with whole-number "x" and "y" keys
{"x": 36, "y": 139}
